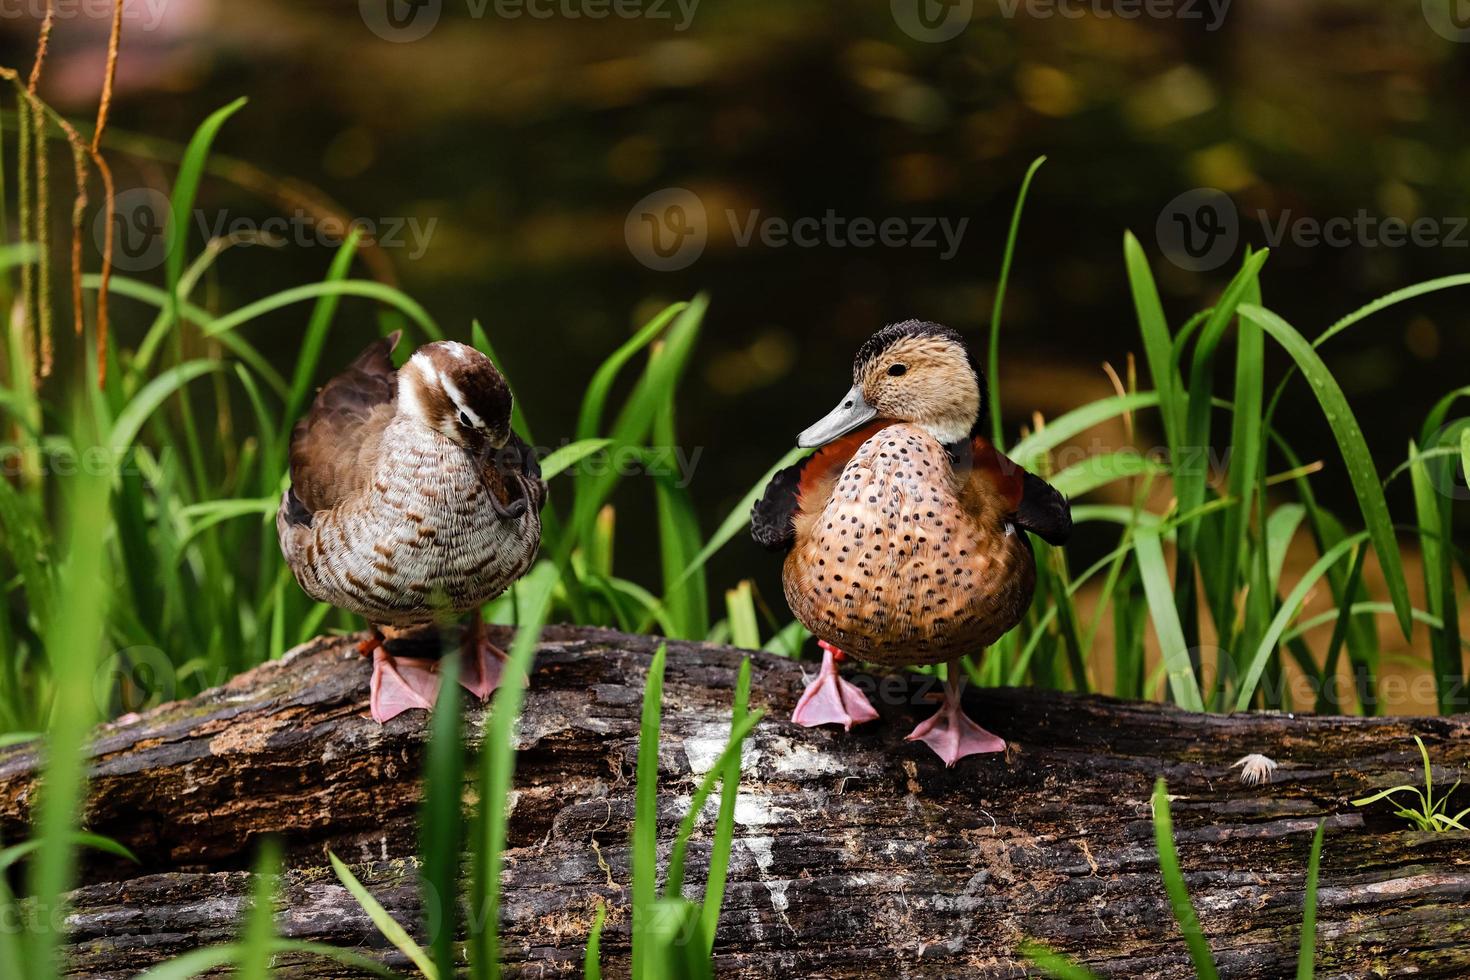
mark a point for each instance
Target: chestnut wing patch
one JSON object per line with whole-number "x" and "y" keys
{"x": 1032, "y": 503}
{"x": 333, "y": 446}
{"x": 772, "y": 519}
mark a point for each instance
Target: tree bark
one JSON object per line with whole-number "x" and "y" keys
{"x": 856, "y": 854}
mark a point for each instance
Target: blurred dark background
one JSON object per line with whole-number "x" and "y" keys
{"x": 526, "y": 141}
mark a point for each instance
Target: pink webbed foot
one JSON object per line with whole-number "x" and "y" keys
{"x": 481, "y": 661}
{"x": 400, "y": 684}
{"x": 831, "y": 700}
{"x": 951, "y": 733}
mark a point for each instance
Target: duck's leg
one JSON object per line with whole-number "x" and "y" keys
{"x": 481, "y": 661}
{"x": 399, "y": 683}
{"x": 830, "y": 699}
{"x": 951, "y": 733}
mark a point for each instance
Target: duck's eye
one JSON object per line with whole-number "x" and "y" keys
{"x": 464, "y": 420}
{"x": 897, "y": 369}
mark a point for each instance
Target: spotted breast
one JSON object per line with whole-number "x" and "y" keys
{"x": 901, "y": 561}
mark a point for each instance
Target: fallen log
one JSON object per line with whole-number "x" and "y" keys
{"x": 855, "y": 854}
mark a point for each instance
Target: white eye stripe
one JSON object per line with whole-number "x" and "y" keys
{"x": 456, "y": 396}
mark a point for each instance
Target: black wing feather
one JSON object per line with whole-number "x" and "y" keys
{"x": 771, "y": 517}
{"x": 1043, "y": 510}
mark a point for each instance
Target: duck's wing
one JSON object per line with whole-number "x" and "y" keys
{"x": 803, "y": 486}
{"x": 1024, "y": 498}
{"x": 333, "y": 448}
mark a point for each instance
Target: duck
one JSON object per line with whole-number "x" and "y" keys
{"x": 411, "y": 503}
{"x": 906, "y": 530}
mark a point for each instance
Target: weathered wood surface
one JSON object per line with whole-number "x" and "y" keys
{"x": 856, "y": 854}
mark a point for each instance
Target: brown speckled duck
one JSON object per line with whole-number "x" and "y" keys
{"x": 903, "y": 531}
{"x": 411, "y": 502}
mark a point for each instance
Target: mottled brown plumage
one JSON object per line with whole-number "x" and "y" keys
{"x": 410, "y": 501}
{"x": 904, "y": 531}
{"x": 900, "y": 560}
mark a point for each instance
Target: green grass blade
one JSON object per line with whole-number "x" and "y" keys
{"x": 739, "y": 516}
{"x": 181, "y": 201}
{"x": 674, "y": 884}
{"x": 1074, "y": 423}
{"x": 1199, "y": 950}
{"x": 1103, "y": 469}
{"x": 442, "y": 818}
{"x": 565, "y": 457}
{"x": 744, "y": 626}
{"x": 387, "y": 295}
{"x": 1247, "y": 451}
{"x": 592, "y": 959}
{"x": 192, "y": 963}
{"x": 1054, "y": 964}
{"x": 1157, "y": 344}
{"x": 645, "y": 821}
{"x": 385, "y": 923}
{"x": 589, "y": 419}
{"x": 1190, "y": 468}
{"x": 131, "y": 419}
{"x": 1354, "y": 451}
{"x": 310, "y": 352}
{"x": 992, "y": 363}
{"x": 1465, "y": 454}
{"x": 1183, "y": 683}
{"x": 1283, "y": 617}
{"x": 1307, "y": 955}
{"x": 497, "y": 776}
{"x": 724, "y": 839}
{"x": 72, "y": 645}
{"x": 260, "y": 929}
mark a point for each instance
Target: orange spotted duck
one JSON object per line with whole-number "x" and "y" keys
{"x": 903, "y": 530}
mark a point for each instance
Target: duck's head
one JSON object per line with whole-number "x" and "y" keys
{"x": 455, "y": 390}
{"x": 915, "y": 372}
